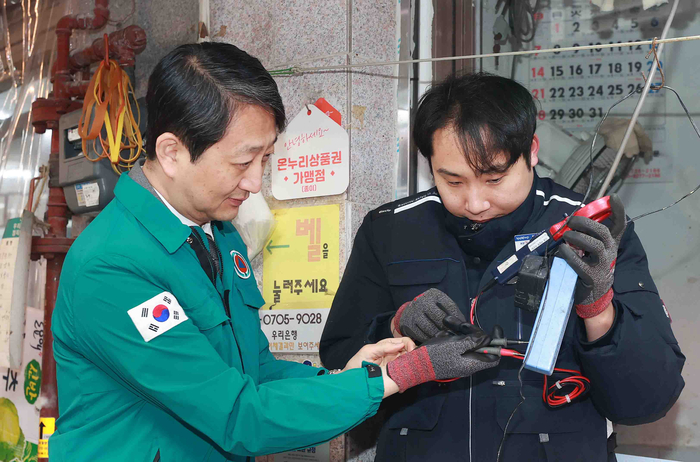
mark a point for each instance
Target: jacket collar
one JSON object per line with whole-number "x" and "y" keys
{"x": 487, "y": 240}
{"x": 139, "y": 197}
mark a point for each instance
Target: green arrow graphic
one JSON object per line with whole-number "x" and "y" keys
{"x": 270, "y": 247}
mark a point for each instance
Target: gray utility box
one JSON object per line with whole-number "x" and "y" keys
{"x": 88, "y": 186}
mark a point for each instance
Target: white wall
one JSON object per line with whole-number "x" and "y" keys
{"x": 672, "y": 242}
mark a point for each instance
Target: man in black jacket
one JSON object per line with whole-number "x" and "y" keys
{"x": 478, "y": 133}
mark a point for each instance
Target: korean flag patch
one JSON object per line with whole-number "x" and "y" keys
{"x": 157, "y": 315}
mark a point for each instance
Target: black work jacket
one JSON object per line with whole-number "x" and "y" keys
{"x": 404, "y": 248}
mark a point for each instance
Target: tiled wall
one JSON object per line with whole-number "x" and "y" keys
{"x": 334, "y": 32}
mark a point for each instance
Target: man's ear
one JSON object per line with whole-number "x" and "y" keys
{"x": 171, "y": 153}
{"x": 534, "y": 149}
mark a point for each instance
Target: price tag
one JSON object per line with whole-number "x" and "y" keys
{"x": 47, "y": 427}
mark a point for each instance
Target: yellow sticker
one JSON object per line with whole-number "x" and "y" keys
{"x": 301, "y": 260}
{"x": 47, "y": 426}
{"x": 43, "y": 449}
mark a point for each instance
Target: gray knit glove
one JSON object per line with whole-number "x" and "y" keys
{"x": 421, "y": 318}
{"x": 445, "y": 356}
{"x": 596, "y": 268}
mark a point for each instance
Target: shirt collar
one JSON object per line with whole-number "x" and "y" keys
{"x": 183, "y": 219}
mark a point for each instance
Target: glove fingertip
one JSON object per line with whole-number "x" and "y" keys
{"x": 567, "y": 253}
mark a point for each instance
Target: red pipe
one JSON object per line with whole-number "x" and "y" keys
{"x": 77, "y": 89}
{"x": 55, "y": 245}
{"x": 124, "y": 45}
{"x": 64, "y": 29}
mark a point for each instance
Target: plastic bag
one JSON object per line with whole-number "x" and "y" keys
{"x": 254, "y": 223}
{"x": 613, "y": 131}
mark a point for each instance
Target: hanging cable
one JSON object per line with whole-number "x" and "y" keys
{"x": 301, "y": 70}
{"x": 642, "y": 98}
{"x": 697, "y": 132}
{"x": 593, "y": 140}
{"x": 107, "y": 109}
{"x": 522, "y": 396}
{"x": 44, "y": 172}
{"x": 597, "y": 132}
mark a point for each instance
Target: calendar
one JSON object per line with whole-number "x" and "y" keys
{"x": 574, "y": 89}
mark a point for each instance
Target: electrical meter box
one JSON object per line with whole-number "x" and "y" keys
{"x": 88, "y": 186}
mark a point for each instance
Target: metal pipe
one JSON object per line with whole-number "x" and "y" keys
{"x": 64, "y": 29}
{"x": 55, "y": 245}
{"x": 124, "y": 45}
{"x": 640, "y": 103}
{"x": 77, "y": 89}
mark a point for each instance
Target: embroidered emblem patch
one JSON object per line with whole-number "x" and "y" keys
{"x": 240, "y": 265}
{"x": 157, "y": 315}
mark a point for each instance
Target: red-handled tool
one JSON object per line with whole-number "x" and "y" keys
{"x": 597, "y": 210}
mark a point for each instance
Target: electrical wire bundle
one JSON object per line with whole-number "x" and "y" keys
{"x": 107, "y": 113}
{"x": 566, "y": 390}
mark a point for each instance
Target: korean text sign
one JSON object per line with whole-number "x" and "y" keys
{"x": 300, "y": 276}
{"x": 311, "y": 157}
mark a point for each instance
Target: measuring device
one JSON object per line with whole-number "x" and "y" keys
{"x": 547, "y": 240}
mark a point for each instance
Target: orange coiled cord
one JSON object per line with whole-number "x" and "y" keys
{"x": 108, "y": 104}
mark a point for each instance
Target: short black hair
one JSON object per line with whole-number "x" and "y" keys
{"x": 489, "y": 114}
{"x": 194, "y": 92}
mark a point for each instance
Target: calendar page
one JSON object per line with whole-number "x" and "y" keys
{"x": 574, "y": 89}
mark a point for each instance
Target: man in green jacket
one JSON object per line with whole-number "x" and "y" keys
{"x": 157, "y": 337}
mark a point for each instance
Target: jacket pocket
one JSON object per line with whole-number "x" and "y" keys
{"x": 208, "y": 314}
{"x": 632, "y": 286}
{"x": 409, "y": 279}
{"x": 250, "y": 294}
{"x": 416, "y": 272}
{"x": 638, "y": 294}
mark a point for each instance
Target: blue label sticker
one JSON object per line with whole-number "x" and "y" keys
{"x": 522, "y": 239}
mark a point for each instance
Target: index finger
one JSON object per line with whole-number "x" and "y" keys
{"x": 618, "y": 218}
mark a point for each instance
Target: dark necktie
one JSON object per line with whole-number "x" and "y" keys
{"x": 215, "y": 254}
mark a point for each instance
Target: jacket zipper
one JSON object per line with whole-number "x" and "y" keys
{"x": 209, "y": 259}
{"x": 224, "y": 297}
{"x": 466, "y": 278}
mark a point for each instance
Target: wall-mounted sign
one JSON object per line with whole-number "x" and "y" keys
{"x": 312, "y": 157}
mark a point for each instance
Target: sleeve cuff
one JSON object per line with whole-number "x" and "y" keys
{"x": 595, "y": 308}
{"x": 375, "y": 386}
{"x": 607, "y": 338}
